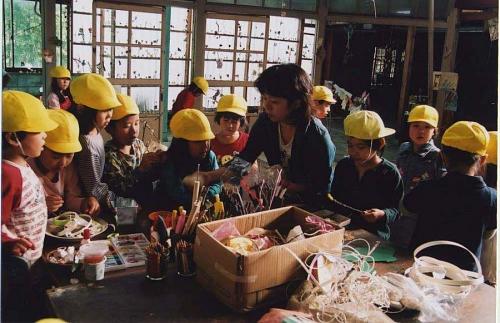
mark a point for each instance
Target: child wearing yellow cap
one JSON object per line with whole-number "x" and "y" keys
{"x": 185, "y": 99}
{"x": 56, "y": 171}
{"x": 418, "y": 160}
{"x": 364, "y": 180}
{"x": 95, "y": 98}
{"x": 322, "y": 100}
{"x": 127, "y": 162}
{"x": 24, "y": 212}
{"x": 458, "y": 207}
{"x": 230, "y": 116}
{"x": 60, "y": 96}
{"x": 189, "y": 149}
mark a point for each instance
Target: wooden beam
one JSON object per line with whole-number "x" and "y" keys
{"x": 430, "y": 52}
{"x": 448, "y": 60}
{"x": 477, "y": 16}
{"x": 320, "y": 41}
{"x": 389, "y": 21}
{"x": 200, "y": 27}
{"x": 258, "y": 11}
{"x": 47, "y": 9}
{"x": 403, "y": 96}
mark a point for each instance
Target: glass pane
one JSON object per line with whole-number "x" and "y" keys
{"x": 220, "y": 26}
{"x": 106, "y": 16}
{"x": 145, "y": 68}
{"x": 121, "y": 68}
{"x": 121, "y": 35}
{"x": 146, "y": 52}
{"x": 239, "y": 91}
{"x": 281, "y": 52}
{"x": 82, "y": 58}
{"x": 82, "y": 28}
{"x": 146, "y": 37}
{"x": 9, "y": 60}
{"x": 214, "y": 95}
{"x": 239, "y": 73}
{"x": 283, "y": 28}
{"x": 256, "y": 58}
{"x": 176, "y": 72}
{"x": 147, "y": 98}
{"x": 308, "y": 46}
{"x": 121, "y": 18}
{"x": 213, "y": 72}
{"x": 257, "y": 44}
{"x": 82, "y": 5}
{"x": 276, "y": 4}
{"x": 253, "y": 97}
{"x": 219, "y": 56}
{"x": 254, "y": 69}
{"x": 146, "y": 20}
{"x": 241, "y": 57}
{"x": 308, "y": 5}
{"x": 121, "y": 51}
{"x": 107, "y": 34}
{"x": 219, "y": 42}
{"x": 249, "y": 2}
{"x": 179, "y": 19}
{"x": 242, "y": 28}
{"x": 178, "y": 43}
{"x": 307, "y": 65}
{"x": 242, "y": 43}
{"x": 258, "y": 29}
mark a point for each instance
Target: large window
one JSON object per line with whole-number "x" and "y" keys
{"x": 81, "y": 61}
{"x": 239, "y": 48}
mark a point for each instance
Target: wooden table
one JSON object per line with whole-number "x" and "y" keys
{"x": 127, "y": 296}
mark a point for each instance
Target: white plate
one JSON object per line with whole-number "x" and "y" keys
{"x": 52, "y": 229}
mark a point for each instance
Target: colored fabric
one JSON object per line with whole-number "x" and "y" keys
{"x": 90, "y": 165}
{"x": 67, "y": 185}
{"x": 29, "y": 218}
{"x": 120, "y": 170}
{"x": 185, "y": 99}
{"x": 457, "y": 208}
{"x": 233, "y": 149}
{"x": 12, "y": 189}
{"x": 313, "y": 153}
{"x": 53, "y": 102}
{"x": 380, "y": 187}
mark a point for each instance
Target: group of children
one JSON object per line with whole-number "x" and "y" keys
{"x": 56, "y": 159}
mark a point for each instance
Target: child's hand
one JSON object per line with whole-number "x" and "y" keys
{"x": 149, "y": 160}
{"x": 373, "y": 215}
{"x": 54, "y": 202}
{"x": 90, "y": 206}
{"x": 18, "y": 247}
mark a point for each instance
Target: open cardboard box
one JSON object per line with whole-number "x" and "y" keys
{"x": 245, "y": 282}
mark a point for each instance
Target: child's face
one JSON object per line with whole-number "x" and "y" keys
{"x": 358, "y": 150}
{"x": 321, "y": 110}
{"x": 63, "y": 84}
{"x": 229, "y": 126}
{"x": 276, "y": 108}
{"x": 421, "y": 132}
{"x": 103, "y": 118}
{"x": 199, "y": 149}
{"x": 54, "y": 161}
{"x": 32, "y": 144}
{"x": 126, "y": 130}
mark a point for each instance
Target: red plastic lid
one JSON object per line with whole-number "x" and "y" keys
{"x": 86, "y": 234}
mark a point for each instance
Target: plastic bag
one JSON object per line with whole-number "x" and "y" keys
{"x": 226, "y": 230}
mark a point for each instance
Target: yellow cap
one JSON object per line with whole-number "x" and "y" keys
{"x": 23, "y": 112}
{"x": 50, "y": 320}
{"x": 94, "y": 91}
{"x": 322, "y": 93}
{"x": 467, "y": 136}
{"x": 232, "y": 103}
{"x": 366, "y": 125}
{"x": 127, "y": 107}
{"x": 60, "y": 72}
{"x": 201, "y": 83}
{"x": 424, "y": 113}
{"x": 492, "y": 148}
{"x": 64, "y": 138}
{"x": 192, "y": 125}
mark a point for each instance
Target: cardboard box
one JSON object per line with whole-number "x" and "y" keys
{"x": 246, "y": 282}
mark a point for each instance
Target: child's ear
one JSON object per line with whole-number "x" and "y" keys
{"x": 10, "y": 137}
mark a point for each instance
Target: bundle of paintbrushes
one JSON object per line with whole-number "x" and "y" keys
{"x": 185, "y": 262}
{"x": 156, "y": 261}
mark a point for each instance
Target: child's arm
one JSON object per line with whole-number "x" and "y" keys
{"x": 256, "y": 140}
{"x": 215, "y": 187}
{"x": 392, "y": 210}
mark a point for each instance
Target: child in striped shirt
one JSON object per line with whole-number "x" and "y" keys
{"x": 95, "y": 99}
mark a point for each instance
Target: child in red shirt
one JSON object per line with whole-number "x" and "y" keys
{"x": 230, "y": 116}
{"x": 24, "y": 212}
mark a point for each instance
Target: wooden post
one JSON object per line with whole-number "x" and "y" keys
{"x": 448, "y": 59}
{"x": 430, "y": 52}
{"x": 48, "y": 8}
{"x": 403, "y": 96}
{"x": 320, "y": 40}
{"x": 200, "y": 27}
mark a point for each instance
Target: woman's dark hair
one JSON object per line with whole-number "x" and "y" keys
{"x": 194, "y": 88}
{"x": 178, "y": 152}
{"x": 232, "y": 116}
{"x": 20, "y": 135}
{"x": 376, "y": 144}
{"x": 85, "y": 116}
{"x": 456, "y": 158}
{"x": 291, "y": 82}
{"x": 60, "y": 93}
